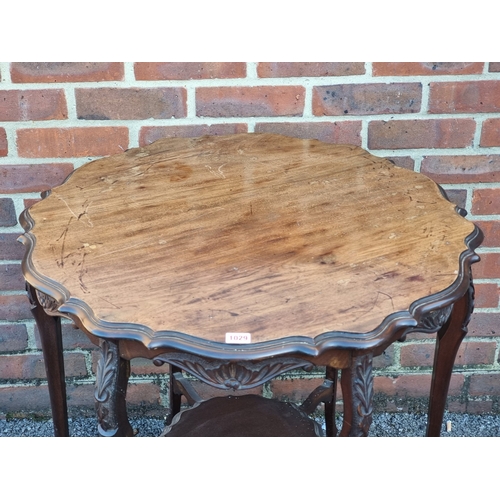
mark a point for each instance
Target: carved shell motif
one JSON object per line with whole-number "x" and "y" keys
{"x": 233, "y": 375}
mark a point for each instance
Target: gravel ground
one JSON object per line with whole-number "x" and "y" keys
{"x": 384, "y": 425}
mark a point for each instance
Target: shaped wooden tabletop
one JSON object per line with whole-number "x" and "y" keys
{"x": 253, "y": 233}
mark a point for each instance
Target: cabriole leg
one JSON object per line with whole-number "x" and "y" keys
{"x": 51, "y": 339}
{"x": 448, "y": 341}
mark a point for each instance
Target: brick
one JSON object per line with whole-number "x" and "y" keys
{"x": 484, "y": 384}
{"x": 479, "y": 407}
{"x": 24, "y": 399}
{"x": 345, "y": 132}
{"x": 421, "y": 336}
{"x": 32, "y": 178}
{"x": 4, "y": 150}
{"x": 138, "y": 366}
{"x": 491, "y": 231}
{"x": 465, "y": 97}
{"x": 7, "y": 213}
{"x": 15, "y": 307}
{"x": 413, "y": 386}
{"x": 402, "y": 134}
{"x": 385, "y": 359}
{"x": 462, "y": 169}
{"x": 22, "y": 366}
{"x": 148, "y": 135}
{"x": 469, "y": 353}
{"x": 142, "y": 399}
{"x": 295, "y": 389}
{"x": 29, "y": 202}
{"x": 486, "y": 201}
{"x": 494, "y": 67}
{"x": 31, "y": 366}
{"x": 487, "y": 267}
{"x": 71, "y": 142}
{"x": 454, "y": 406}
{"x": 188, "y": 70}
{"x": 11, "y": 277}
{"x": 250, "y": 101}
{"x": 10, "y": 248}
{"x": 59, "y": 72}
{"x": 484, "y": 325}
{"x": 486, "y": 295}
{"x": 426, "y": 68}
{"x": 74, "y": 365}
{"x": 403, "y": 161}
{"x": 130, "y": 104}
{"x": 312, "y": 69}
{"x": 366, "y": 99}
{"x": 13, "y": 337}
{"x": 417, "y": 354}
{"x": 28, "y": 105}
{"x": 142, "y": 366}
{"x": 457, "y": 196}
{"x": 490, "y": 134}
{"x": 81, "y": 396}
{"x": 72, "y": 338}
{"x": 143, "y": 394}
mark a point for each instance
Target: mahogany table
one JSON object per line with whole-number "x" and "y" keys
{"x": 238, "y": 258}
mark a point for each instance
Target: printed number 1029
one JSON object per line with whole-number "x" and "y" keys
{"x": 238, "y": 338}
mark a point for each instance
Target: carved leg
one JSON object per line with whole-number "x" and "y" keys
{"x": 51, "y": 338}
{"x": 357, "y": 394}
{"x": 110, "y": 392}
{"x": 448, "y": 341}
{"x": 331, "y": 428}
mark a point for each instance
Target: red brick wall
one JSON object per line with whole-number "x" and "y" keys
{"x": 442, "y": 119}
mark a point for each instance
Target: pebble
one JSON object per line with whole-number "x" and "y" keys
{"x": 384, "y": 425}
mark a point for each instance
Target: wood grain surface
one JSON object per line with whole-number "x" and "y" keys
{"x": 254, "y": 233}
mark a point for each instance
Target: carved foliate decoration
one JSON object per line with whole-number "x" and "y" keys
{"x": 49, "y": 304}
{"x": 434, "y": 320}
{"x": 363, "y": 395}
{"x": 107, "y": 372}
{"x": 233, "y": 375}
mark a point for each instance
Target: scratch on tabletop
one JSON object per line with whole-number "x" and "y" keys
{"x": 60, "y": 198}
{"x": 85, "y": 207}
{"x": 219, "y": 173}
{"x": 60, "y": 263}
{"x": 366, "y": 311}
{"x": 81, "y": 274}
{"x": 109, "y": 302}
